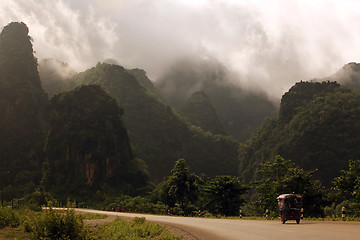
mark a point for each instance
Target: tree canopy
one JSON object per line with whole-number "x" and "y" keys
{"x": 347, "y": 185}
{"x": 281, "y": 176}
{"x": 221, "y": 195}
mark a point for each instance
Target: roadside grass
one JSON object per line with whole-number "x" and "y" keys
{"x": 10, "y": 224}
{"x": 50, "y": 224}
{"x": 92, "y": 216}
{"x": 136, "y": 229}
{"x": 12, "y": 233}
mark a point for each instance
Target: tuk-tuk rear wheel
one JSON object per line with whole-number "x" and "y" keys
{"x": 297, "y": 221}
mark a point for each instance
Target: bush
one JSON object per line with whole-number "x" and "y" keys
{"x": 177, "y": 211}
{"x": 8, "y": 218}
{"x": 51, "y": 224}
{"x": 352, "y": 209}
{"x": 330, "y": 211}
{"x": 37, "y": 199}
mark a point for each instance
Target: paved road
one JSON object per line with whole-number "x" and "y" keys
{"x": 214, "y": 229}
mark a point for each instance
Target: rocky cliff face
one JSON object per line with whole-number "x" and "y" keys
{"x": 87, "y": 142}
{"x": 23, "y": 102}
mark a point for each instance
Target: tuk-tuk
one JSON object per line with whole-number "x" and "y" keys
{"x": 290, "y": 207}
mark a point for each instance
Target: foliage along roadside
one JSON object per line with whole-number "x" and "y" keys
{"x": 50, "y": 224}
{"x": 185, "y": 193}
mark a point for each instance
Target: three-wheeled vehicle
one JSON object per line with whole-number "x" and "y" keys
{"x": 290, "y": 207}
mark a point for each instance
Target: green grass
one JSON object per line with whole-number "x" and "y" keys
{"x": 92, "y": 216}
{"x": 53, "y": 224}
{"x": 136, "y": 229}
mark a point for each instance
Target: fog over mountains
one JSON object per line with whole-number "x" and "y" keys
{"x": 265, "y": 45}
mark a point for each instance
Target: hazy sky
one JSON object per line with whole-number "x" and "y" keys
{"x": 268, "y": 43}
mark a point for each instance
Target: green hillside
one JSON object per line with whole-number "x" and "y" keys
{"x": 160, "y": 136}
{"x": 317, "y": 128}
{"x": 199, "y": 111}
{"x": 87, "y": 147}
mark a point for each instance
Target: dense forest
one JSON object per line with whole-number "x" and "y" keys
{"x": 193, "y": 142}
{"x": 87, "y": 148}
{"x": 317, "y": 128}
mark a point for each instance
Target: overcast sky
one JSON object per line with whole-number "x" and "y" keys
{"x": 268, "y": 43}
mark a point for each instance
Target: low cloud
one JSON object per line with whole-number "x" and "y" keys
{"x": 267, "y": 44}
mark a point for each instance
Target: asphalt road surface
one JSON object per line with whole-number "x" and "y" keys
{"x": 239, "y": 229}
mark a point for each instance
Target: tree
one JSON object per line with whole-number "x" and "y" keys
{"x": 347, "y": 186}
{"x": 282, "y": 176}
{"x": 181, "y": 185}
{"x": 223, "y": 195}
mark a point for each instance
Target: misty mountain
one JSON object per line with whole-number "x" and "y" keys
{"x": 144, "y": 81}
{"x": 200, "y": 112}
{"x": 55, "y": 76}
{"x": 349, "y": 75}
{"x": 88, "y": 147}
{"x": 159, "y": 135}
{"x": 23, "y": 103}
{"x": 318, "y": 128}
{"x": 293, "y": 101}
{"x": 240, "y": 112}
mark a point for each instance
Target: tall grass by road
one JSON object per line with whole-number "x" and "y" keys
{"x": 50, "y": 224}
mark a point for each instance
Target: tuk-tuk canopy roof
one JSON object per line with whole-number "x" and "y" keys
{"x": 288, "y": 195}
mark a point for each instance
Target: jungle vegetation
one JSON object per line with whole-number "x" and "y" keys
{"x": 107, "y": 138}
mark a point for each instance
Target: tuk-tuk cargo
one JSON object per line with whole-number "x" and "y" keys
{"x": 290, "y": 207}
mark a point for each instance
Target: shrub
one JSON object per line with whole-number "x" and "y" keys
{"x": 352, "y": 209}
{"x": 51, "y": 224}
{"x": 8, "y": 218}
